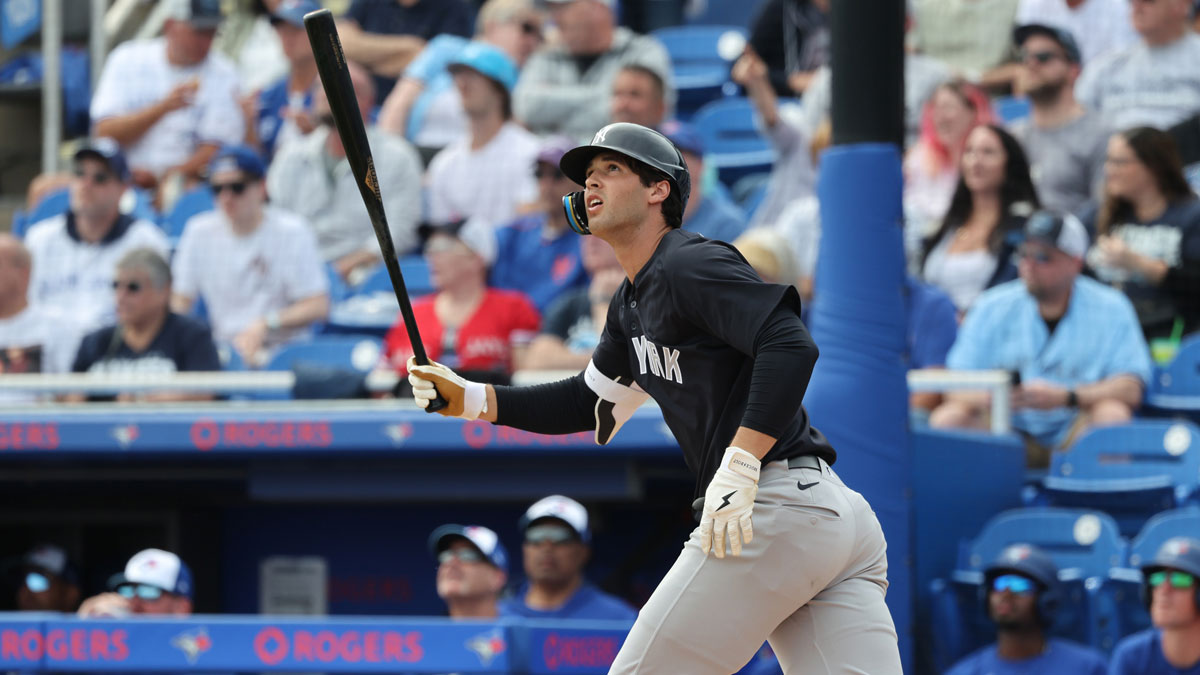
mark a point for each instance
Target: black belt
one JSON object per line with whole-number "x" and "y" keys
{"x": 804, "y": 462}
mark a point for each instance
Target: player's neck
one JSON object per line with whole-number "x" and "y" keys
{"x": 636, "y": 248}
{"x": 472, "y": 608}
{"x": 1020, "y": 644}
{"x": 1181, "y": 646}
{"x": 548, "y": 597}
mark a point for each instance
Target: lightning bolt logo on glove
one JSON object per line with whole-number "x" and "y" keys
{"x": 728, "y": 503}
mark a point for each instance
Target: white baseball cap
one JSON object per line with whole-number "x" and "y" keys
{"x": 1064, "y": 232}
{"x": 480, "y": 537}
{"x": 563, "y": 508}
{"x": 162, "y": 569}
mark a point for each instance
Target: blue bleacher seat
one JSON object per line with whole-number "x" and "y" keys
{"x": 1176, "y": 386}
{"x": 701, "y": 58}
{"x": 1129, "y": 471}
{"x": 749, "y": 192}
{"x": 416, "y": 278}
{"x": 1181, "y": 522}
{"x": 732, "y": 142}
{"x": 51, "y": 204}
{"x": 348, "y": 352}
{"x": 1011, "y": 108}
{"x": 197, "y": 200}
{"x": 741, "y": 12}
{"x": 230, "y": 358}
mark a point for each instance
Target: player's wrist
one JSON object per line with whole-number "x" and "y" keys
{"x": 474, "y": 400}
{"x": 742, "y": 463}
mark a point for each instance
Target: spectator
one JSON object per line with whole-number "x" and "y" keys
{"x": 931, "y": 166}
{"x": 256, "y": 267}
{"x": 155, "y": 582}
{"x": 770, "y": 254}
{"x": 283, "y": 111}
{"x": 573, "y": 322}
{"x": 972, "y": 250}
{"x": 538, "y": 254}
{"x": 1187, "y": 140}
{"x": 556, "y": 549}
{"x": 385, "y": 35}
{"x": 1021, "y": 595}
{"x": 1172, "y": 591}
{"x": 1065, "y": 141}
{"x": 800, "y": 221}
{"x": 1098, "y": 25}
{"x": 639, "y": 96}
{"x": 1072, "y": 343}
{"x": 32, "y": 337}
{"x": 74, "y": 254}
{"x": 708, "y": 212}
{"x": 425, "y": 106}
{"x": 483, "y": 331}
{"x": 971, "y": 37}
{"x": 472, "y": 570}
{"x": 170, "y": 102}
{"x": 1148, "y": 233}
{"x": 313, "y": 178}
{"x": 486, "y": 173}
{"x": 566, "y": 87}
{"x": 792, "y": 37}
{"x": 49, "y": 581}
{"x": 147, "y": 337}
{"x": 1154, "y": 82}
{"x": 248, "y": 38}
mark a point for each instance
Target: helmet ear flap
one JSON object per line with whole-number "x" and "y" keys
{"x": 576, "y": 212}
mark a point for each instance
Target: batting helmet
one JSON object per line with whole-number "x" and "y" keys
{"x": 632, "y": 140}
{"x": 1029, "y": 561}
{"x": 1177, "y": 553}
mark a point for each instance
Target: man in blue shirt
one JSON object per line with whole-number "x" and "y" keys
{"x": 1021, "y": 593}
{"x": 1075, "y": 346}
{"x": 472, "y": 570}
{"x": 709, "y": 211}
{"x": 1172, "y": 590}
{"x": 556, "y": 549}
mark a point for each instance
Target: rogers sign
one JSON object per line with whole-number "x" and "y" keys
{"x": 207, "y": 434}
{"x": 61, "y": 645}
{"x": 581, "y": 651}
{"x": 273, "y": 645}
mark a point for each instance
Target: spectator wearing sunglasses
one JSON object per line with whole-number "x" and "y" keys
{"x": 1074, "y": 345}
{"x": 49, "y": 581}
{"x": 75, "y": 254}
{"x": 154, "y": 582}
{"x": 1172, "y": 594}
{"x": 556, "y": 548}
{"x": 147, "y": 337}
{"x": 1021, "y": 594}
{"x": 472, "y": 570}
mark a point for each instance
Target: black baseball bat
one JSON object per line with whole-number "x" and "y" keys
{"x": 335, "y": 76}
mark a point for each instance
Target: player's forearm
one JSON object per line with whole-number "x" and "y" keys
{"x": 753, "y": 442}
{"x": 784, "y": 358}
{"x": 561, "y": 407}
{"x": 126, "y": 129}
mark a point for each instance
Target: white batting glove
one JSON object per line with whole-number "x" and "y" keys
{"x": 728, "y": 502}
{"x": 464, "y": 399}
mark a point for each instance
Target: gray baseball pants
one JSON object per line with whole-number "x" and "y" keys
{"x": 812, "y": 582}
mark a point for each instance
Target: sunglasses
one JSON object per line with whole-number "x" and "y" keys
{"x": 555, "y": 534}
{"x": 1175, "y": 579}
{"x": 237, "y": 187}
{"x": 131, "y": 286}
{"x": 465, "y": 555}
{"x": 545, "y": 171}
{"x": 99, "y": 178}
{"x": 1013, "y": 583}
{"x": 1040, "y": 57}
{"x": 37, "y": 582}
{"x": 531, "y": 28}
{"x": 140, "y": 591}
{"x": 1037, "y": 255}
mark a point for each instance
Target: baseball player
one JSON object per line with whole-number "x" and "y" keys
{"x": 728, "y": 360}
{"x": 1171, "y": 591}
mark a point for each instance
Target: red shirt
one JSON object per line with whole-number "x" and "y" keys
{"x": 484, "y": 342}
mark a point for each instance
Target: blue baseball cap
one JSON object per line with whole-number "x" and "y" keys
{"x": 158, "y": 568}
{"x": 482, "y": 538}
{"x": 238, "y": 158}
{"x": 108, "y": 151}
{"x": 685, "y": 136}
{"x": 293, "y": 11}
{"x": 487, "y": 60}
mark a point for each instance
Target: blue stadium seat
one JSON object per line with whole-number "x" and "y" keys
{"x": 50, "y": 205}
{"x": 749, "y": 192}
{"x": 1130, "y": 471}
{"x": 731, "y": 140}
{"x": 741, "y": 12}
{"x": 348, "y": 352}
{"x": 1011, "y": 108}
{"x": 230, "y": 358}
{"x": 701, "y": 58}
{"x": 197, "y": 200}
{"x": 338, "y": 290}
{"x": 416, "y": 278}
{"x": 1179, "y": 522}
{"x": 1176, "y": 386}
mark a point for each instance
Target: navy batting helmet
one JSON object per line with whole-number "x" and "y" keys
{"x": 1028, "y": 561}
{"x": 632, "y": 140}
{"x": 1176, "y": 553}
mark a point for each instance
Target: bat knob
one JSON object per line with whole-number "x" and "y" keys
{"x": 436, "y": 404}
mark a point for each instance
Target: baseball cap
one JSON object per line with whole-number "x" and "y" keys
{"x": 685, "y": 136}
{"x": 480, "y": 537}
{"x": 1063, "y": 232}
{"x": 158, "y": 568}
{"x": 488, "y": 60}
{"x": 108, "y": 151}
{"x": 475, "y": 233}
{"x": 237, "y": 158}
{"x": 202, "y": 14}
{"x": 52, "y": 559}
{"x": 1060, "y": 35}
{"x": 553, "y": 148}
{"x": 562, "y": 508}
{"x": 293, "y": 11}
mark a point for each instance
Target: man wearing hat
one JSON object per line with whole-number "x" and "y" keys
{"x": 1171, "y": 583}
{"x": 1021, "y": 594}
{"x": 1099, "y": 25}
{"x": 284, "y": 109}
{"x": 1066, "y": 142}
{"x": 49, "y": 581}
{"x": 256, "y": 266}
{"x": 709, "y": 212}
{"x": 485, "y": 173}
{"x": 556, "y": 549}
{"x": 75, "y": 254}
{"x": 472, "y": 570}
{"x": 170, "y": 102}
{"x": 538, "y": 254}
{"x": 1074, "y": 344}
{"x": 154, "y": 582}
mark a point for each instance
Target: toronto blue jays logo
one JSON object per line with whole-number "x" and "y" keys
{"x": 125, "y": 435}
{"x": 398, "y": 433}
{"x": 192, "y": 643}
{"x": 487, "y": 646}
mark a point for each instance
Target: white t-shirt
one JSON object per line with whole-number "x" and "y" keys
{"x": 489, "y": 182}
{"x": 963, "y": 276}
{"x": 138, "y": 75}
{"x": 1097, "y": 25}
{"x": 243, "y": 278}
{"x": 33, "y": 341}
{"x": 75, "y": 277}
{"x": 1152, "y": 86}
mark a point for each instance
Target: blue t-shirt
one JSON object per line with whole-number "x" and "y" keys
{"x": 717, "y": 218}
{"x": 541, "y": 268}
{"x": 588, "y": 602}
{"x": 426, "y": 19}
{"x": 271, "y": 102}
{"x": 1142, "y": 654}
{"x": 932, "y": 324}
{"x": 1060, "y": 657}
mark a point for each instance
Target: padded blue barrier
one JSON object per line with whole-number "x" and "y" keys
{"x": 195, "y": 201}
{"x": 732, "y": 142}
{"x": 701, "y": 58}
{"x": 1176, "y": 386}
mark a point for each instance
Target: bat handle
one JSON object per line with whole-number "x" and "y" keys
{"x": 439, "y": 402}
{"x": 436, "y": 404}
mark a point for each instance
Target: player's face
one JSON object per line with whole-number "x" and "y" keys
{"x": 42, "y": 591}
{"x": 614, "y": 195}
{"x": 1013, "y": 609}
{"x": 553, "y": 554}
{"x": 1124, "y": 174}
{"x": 1044, "y": 67}
{"x": 983, "y": 161}
{"x": 1046, "y": 271}
{"x": 464, "y": 573}
{"x": 636, "y": 99}
{"x": 1172, "y": 603}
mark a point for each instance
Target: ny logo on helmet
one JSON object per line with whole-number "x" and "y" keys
{"x": 600, "y": 135}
